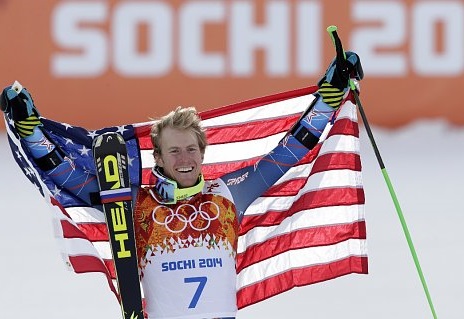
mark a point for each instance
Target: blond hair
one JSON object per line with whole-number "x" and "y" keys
{"x": 184, "y": 118}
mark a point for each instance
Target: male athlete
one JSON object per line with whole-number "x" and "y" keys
{"x": 186, "y": 228}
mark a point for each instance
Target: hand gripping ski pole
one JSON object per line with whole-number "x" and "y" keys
{"x": 332, "y": 30}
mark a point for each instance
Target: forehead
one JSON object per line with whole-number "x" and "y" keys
{"x": 173, "y": 137}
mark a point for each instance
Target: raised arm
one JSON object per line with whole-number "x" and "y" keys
{"x": 17, "y": 102}
{"x": 301, "y": 138}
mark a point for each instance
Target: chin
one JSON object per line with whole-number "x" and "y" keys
{"x": 187, "y": 180}
{"x": 187, "y": 183}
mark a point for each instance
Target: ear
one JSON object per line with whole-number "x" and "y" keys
{"x": 158, "y": 160}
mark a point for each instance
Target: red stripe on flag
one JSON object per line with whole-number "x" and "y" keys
{"x": 109, "y": 263}
{"x": 71, "y": 231}
{"x": 336, "y": 161}
{"x": 288, "y": 188}
{"x": 250, "y": 130}
{"x": 86, "y": 263}
{"x": 95, "y": 231}
{"x": 55, "y": 203}
{"x": 142, "y": 133}
{"x": 300, "y": 277}
{"x": 345, "y": 127}
{"x": 313, "y": 199}
{"x": 303, "y": 238}
{"x": 324, "y": 163}
{"x": 90, "y": 231}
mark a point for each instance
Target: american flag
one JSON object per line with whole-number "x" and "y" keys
{"x": 307, "y": 228}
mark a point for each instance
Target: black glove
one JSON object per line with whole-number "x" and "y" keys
{"x": 17, "y": 102}
{"x": 336, "y": 81}
{"x": 339, "y": 73}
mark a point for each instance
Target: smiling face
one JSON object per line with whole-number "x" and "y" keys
{"x": 180, "y": 156}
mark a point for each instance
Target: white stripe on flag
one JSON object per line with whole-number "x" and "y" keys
{"x": 86, "y": 215}
{"x": 273, "y": 110}
{"x": 318, "y": 181}
{"x": 305, "y": 219}
{"x": 299, "y": 258}
{"x": 83, "y": 247}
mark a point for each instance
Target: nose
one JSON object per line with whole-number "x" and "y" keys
{"x": 184, "y": 154}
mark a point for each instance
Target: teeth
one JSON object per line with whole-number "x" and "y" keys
{"x": 185, "y": 169}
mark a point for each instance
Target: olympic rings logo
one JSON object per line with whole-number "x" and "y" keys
{"x": 187, "y": 221}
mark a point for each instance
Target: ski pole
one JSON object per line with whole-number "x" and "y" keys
{"x": 332, "y": 30}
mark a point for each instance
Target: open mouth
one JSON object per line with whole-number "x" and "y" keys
{"x": 185, "y": 169}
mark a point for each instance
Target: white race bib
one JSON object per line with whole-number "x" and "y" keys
{"x": 193, "y": 282}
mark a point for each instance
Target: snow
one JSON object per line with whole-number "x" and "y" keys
{"x": 424, "y": 161}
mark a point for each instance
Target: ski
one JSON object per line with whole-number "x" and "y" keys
{"x": 110, "y": 155}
